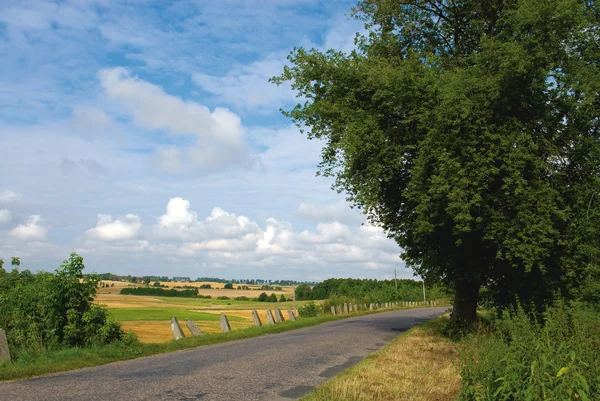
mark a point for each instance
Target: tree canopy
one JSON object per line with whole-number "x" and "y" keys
{"x": 469, "y": 130}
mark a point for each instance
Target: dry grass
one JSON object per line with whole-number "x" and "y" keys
{"x": 214, "y": 292}
{"x": 420, "y": 365}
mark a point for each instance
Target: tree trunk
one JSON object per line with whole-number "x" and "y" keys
{"x": 464, "y": 311}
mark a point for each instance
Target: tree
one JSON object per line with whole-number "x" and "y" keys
{"x": 16, "y": 261}
{"x": 469, "y": 132}
{"x": 272, "y": 298}
{"x": 303, "y": 292}
{"x": 282, "y": 298}
{"x": 263, "y": 297}
{"x": 228, "y": 286}
{"x": 156, "y": 284}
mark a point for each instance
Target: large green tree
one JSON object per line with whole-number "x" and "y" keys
{"x": 469, "y": 130}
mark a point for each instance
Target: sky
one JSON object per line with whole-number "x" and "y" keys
{"x": 145, "y": 136}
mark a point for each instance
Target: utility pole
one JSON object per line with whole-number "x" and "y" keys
{"x": 295, "y": 313}
{"x": 396, "y": 283}
{"x": 424, "y": 298}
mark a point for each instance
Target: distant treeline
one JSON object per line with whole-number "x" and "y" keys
{"x": 159, "y": 292}
{"x": 371, "y": 290}
{"x": 152, "y": 279}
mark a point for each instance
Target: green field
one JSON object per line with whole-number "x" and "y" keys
{"x": 137, "y": 314}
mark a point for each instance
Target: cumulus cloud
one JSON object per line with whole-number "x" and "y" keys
{"x": 219, "y": 133}
{"x": 118, "y": 230}
{"x": 32, "y": 230}
{"x": 247, "y": 87}
{"x": 5, "y": 216}
{"x": 7, "y": 196}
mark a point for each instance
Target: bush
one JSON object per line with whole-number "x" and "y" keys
{"x": 242, "y": 298}
{"x": 228, "y": 286}
{"x": 223, "y": 297}
{"x": 205, "y": 286}
{"x": 521, "y": 358}
{"x": 282, "y": 298}
{"x": 263, "y": 297}
{"x": 49, "y": 311}
{"x": 272, "y": 298}
{"x": 309, "y": 310}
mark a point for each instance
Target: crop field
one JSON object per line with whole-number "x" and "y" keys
{"x": 149, "y": 316}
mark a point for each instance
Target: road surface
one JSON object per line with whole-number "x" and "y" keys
{"x": 273, "y": 367}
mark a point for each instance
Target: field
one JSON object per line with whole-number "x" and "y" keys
{"x": 149, "y": 317}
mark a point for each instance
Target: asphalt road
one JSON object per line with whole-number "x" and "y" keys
{"x": 272, "y": 367}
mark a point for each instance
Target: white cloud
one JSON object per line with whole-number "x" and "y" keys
{"x": 32, "y": 230}
{"x": 5, "y": 216}
{"x": 246, "y": 86}
{"x": 219, "y": 133}
{"x": 7, "y": 196}
{"x": 118, "y": 230}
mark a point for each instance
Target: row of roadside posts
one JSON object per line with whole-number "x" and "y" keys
{"x": 346, "y": 308}
{"x": 273, "y": 317}
{"x": 276, "y": 316}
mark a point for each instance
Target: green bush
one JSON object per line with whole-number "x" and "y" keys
{"x": 309, "y": 310}
{"x": 242, "y": 298}
{"x": 49, "y": 311}
{"x": 228, "y": 286}
{"x": 223, "y": 297}
{"x": 521, "y": 358}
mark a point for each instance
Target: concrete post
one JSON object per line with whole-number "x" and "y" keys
{"x": 256, "y": 319}
{"x": 333, "y": 310}
{"x": 345, "y": 308}
{"x": 176, "y": 329}
{"x": 225, "y": 327}
{"x": 195, "y": 330}
{"x": 270, "y": 319}
{"x": 4, "y": 350}
{"x": 291, "y": 315}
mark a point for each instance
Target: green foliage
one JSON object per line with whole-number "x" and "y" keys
{"x": 370, "y": 290}
{"x": 304, "y": 292}
{"x": 272, "y": 298}
{"x": 263, "y": 297}
{"x": 242, "y": 298}
{"x": 48, "y": 311}
{"x": 282, "y": 298}
{"x": 205, "y": 286}
{"x": 160, "y": 292}
{"x": 16, "y": 262}
{"x": 228, "y": 286}
{"x": 309, "y": 310}
{"x": 469, "y": 131}
{"x": 223, "y": 297}
{"x": 521, "y": 358}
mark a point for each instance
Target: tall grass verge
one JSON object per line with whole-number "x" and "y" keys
{"x": 420, "y": 365}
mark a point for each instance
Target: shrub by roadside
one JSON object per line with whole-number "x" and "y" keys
{"x": 519, "y": 357}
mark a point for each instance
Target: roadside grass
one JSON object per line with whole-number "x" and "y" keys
{"x": 76, "y": 358}
{"x": 420, "y": 365}
{"x": 146, "y": 314}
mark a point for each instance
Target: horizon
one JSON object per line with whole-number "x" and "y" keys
{"x": 147, "y": 136}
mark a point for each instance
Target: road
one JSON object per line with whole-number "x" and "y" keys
{"x": 273, "y": 367}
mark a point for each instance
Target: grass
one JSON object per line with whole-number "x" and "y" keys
{"x": 76, "y": 358}
{"x": 420, "y": 365}
{"x": 146, "y": 314}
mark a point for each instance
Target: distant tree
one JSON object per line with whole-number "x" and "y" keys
{"x": 228, "y": 286}
{"x": 282, "y": 298}
{"x": 303, "y": 292}
{"x": 207, "y": 286}
{"x": 16, "y": 261}
{"x": 1, "y": 264}
{"x": 156, "y": 284}
{"x": 272, "y": 298}
{"x": 263, "y": 297}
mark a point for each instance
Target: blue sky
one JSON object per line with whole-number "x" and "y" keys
{"x": 145, "y": 136}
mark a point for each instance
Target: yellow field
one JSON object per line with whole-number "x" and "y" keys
{"x": 160, "y": 330}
